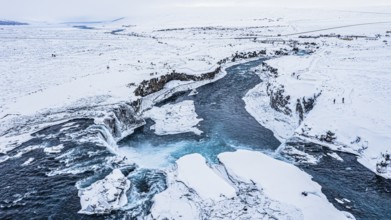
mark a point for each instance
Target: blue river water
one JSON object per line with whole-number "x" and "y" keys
{"x": 226, "y": 124}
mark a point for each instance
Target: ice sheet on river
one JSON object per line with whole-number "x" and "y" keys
{"x": 254, "y": 186}
{"x": 282, "y": 182}
{"x": 174, "y": 118}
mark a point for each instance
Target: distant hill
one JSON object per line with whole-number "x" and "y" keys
{"x": 79, "y": 23}
{"x": 2, "y": 22}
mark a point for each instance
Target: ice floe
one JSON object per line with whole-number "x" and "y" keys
{"x": 105, "y": 195}
{"x": 174, "y": 118}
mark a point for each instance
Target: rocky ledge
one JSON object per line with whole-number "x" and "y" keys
{"x": 148, "y": 87}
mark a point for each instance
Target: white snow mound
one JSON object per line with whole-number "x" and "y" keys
{"x": 282, "y": 182}
{"x": 196, "y": 174}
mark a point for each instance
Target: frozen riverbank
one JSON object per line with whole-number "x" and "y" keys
{"x": 345, "y": 85}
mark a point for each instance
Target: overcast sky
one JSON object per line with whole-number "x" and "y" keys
{"x": 84, "y": 9}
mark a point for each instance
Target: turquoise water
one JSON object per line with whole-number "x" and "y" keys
{"x": 226, "y": 124}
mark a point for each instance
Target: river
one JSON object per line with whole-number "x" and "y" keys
{"x": 45, "y": 188}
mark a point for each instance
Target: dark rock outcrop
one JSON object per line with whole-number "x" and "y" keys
{"x": 123, "y": 118}
{"x": 247, "y": 55}
{"x": 148, "y": 87}
{"x": 300, "y": 110}
{"x": 310, "y": 102}
{"x": 381, "y": 167}
{"x": 242, "y": 55}
{"x": 329, "y": 137}
{"x": 136, "y": 104}
{"x": 304, "y": 106}
{"x": 270, "y": 70}
{"x": 278, "y": 101}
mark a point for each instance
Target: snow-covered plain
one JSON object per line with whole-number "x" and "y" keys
{"x": 96, "y": 69}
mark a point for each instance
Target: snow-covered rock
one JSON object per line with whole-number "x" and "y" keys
{"x": 282, "y": 182}
{"x": 105, "y": 195}
{"x": 182, "y": 199}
